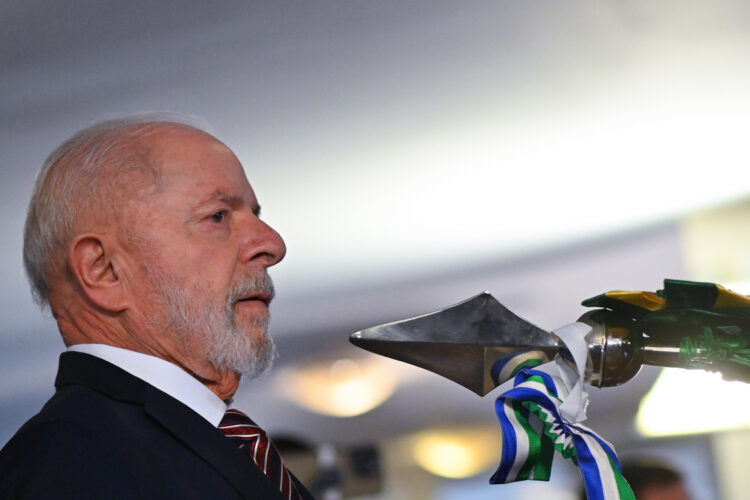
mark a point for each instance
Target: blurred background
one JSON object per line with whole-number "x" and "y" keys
{"x": 413, "y": 153}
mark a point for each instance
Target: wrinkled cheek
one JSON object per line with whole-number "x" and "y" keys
{"x": 157, "y": 310}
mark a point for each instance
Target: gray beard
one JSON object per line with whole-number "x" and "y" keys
{"x": 225, "y": 345}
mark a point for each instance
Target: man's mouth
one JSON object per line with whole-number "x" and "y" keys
{"x": 256, "y": 298}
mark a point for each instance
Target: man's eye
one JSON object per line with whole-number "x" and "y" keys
{"x": 218, "y": 216}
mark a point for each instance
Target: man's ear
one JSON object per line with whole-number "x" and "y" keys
{"x": 93, "y": 261}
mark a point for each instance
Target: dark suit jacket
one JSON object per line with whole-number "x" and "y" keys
{"x": 108, "y": 434}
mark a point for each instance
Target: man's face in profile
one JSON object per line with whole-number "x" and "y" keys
{"x": 205, "y": 254}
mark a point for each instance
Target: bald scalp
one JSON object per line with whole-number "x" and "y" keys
{"x": 85, "y": 186}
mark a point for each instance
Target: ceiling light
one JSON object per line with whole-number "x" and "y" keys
{"x": 456, "y": 453}
{"x": 693, "y": 401}
{"x": 344, "y": 388}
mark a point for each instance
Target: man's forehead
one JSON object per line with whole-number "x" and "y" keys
{"x": 182, "y": 142}
{"x": 201, "y": 166}
{"x": 183, "y": 148}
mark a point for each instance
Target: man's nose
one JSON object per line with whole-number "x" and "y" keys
{"x": 262, "y": 244}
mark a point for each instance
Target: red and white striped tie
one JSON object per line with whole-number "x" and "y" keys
{"x": 254, "y": 442}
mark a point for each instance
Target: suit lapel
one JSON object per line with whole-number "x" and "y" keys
{"x": 177, "y": 419}
{"x": 215, "y": 448}
{"x": 208, "y": 442}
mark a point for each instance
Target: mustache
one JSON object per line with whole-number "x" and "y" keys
{"x": 260, "y": 285}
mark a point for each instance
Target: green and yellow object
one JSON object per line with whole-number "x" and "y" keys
{"x": 687, "y": 324}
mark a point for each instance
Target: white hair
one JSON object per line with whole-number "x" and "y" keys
{"x": 77, "y": 182}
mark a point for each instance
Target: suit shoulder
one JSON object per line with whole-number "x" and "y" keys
{"x": 79, "y": 405}
{"x": 63, "y": 449}
{"x": 55, "y": 459}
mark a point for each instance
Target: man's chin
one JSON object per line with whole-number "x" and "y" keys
{"x": 249, "y": 352}
{"x": 260, "y": 362}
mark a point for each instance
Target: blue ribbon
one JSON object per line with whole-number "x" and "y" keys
{"x": 533, "y": 428}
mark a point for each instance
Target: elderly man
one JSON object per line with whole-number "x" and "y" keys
{"x": 144, "y": 238}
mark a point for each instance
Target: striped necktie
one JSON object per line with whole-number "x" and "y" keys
{"x": 253, "y": 441}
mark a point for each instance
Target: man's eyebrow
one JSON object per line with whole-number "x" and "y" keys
{"x": 231, "y": 200}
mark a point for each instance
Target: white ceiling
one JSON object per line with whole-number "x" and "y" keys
{"x": 411, "y": 153}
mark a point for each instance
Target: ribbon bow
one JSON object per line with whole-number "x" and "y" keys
{"x": 540, "y": 411}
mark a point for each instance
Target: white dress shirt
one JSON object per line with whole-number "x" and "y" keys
{"x": 163, "y": 375}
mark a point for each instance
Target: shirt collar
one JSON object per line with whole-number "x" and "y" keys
{"x": 163, "y": 375}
